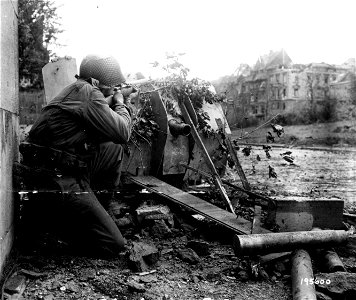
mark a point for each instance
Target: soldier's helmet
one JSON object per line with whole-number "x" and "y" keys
{"x": 104, "y": 69}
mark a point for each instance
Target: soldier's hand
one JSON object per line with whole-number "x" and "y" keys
{"x": 117, "y": 98}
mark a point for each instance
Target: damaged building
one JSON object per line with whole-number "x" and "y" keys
{"x": 276, "y": 85}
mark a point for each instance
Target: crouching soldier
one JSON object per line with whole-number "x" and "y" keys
{"x": 77, "y": 138}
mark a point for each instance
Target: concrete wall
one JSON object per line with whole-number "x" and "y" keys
{"x": 8, "y": 122}
{"x": 341, "y": 90}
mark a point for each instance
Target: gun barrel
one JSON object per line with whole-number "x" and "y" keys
{"x": 177, "y": 128}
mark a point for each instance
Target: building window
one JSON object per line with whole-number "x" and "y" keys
{"x": 317, "y": 77}
{"x": 284, "y": 93}
{"x": 283, "y": 106}
{"x": 296, "y": 92}
{"x": 326, "y": 78}
{"x": 296, "y": 79}
{"x": 262, "y": 110}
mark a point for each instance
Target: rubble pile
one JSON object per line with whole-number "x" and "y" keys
{"x": 169, "y": 248}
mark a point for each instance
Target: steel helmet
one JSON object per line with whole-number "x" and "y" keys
{"x": 104, "y": 69}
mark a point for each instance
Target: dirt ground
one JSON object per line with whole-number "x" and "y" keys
{"x": 315, "y": 174}
{"x": 58, "y": 274}
{"x": 333, "y": 134}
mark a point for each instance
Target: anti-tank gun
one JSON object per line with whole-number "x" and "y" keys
{"x": 179, "y": 132}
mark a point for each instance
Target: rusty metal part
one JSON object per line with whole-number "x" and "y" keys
{"x": 197, "y": 139}
{"x": 328, "y": 258}
{"x": 332, "y": 261}
{"x": 191, "y": 111}
{"x": 302, "y": 276}
{"x": 220, "y": 216}
{"x": 287, "y": 241}
{"x": 177, "y": 128}
{"x": 252, "y": 194}
{"x": 238, "y": 167}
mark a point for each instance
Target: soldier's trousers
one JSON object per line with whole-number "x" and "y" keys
{"x": 76, "y": 212}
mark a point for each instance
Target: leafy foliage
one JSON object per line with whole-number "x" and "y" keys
{"x": 144, "y": 126}
{"x": 175, "y": 87}
{"x": 38, "y": 27}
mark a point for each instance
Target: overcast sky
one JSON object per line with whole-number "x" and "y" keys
{"x": 215, "y": 35}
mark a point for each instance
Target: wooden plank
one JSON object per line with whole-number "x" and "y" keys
{"x": 206, "y": 209}
{"x": 200, "y": 144}
{"x": 234, "y": 157}
{"x": 238, "y": 166}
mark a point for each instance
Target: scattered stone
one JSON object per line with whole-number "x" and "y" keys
{"x": 280, "y": 267}
{"x": 202, "y": 248}
{"x": 146, "y": 273}
{"x": 136, "y": 237}
{"x": 63, "y": 288}
{"x": 321, "y": 296}
{"x": 117, "y": 209}
{"x": 160, "y": 230}
{"x": 213, "y": 274}
{"x": 154, "y": 212}
{"x": 166, "y": 251}
{"x": 124, "y": 222}
{"x": 15, "y": 284}
{"x": 148, "y": 279}
{"x": 72, "y": 287}
{"x": 181, "y": 224}
{"x": 141, "y": 256}
{"x": 243, "y": 276}
{"x": 49, "y": 297}
{"x": 188, "y": 229}
{"x": 183, "y": 239}
{"x": 56, "y": 285}
{"x": 133, "y": 286}
{"x": 337, "y": 285}
{"x": 188, "y": 255}
{"x": 86, "y": 274}
{"x": 195, "y": 279}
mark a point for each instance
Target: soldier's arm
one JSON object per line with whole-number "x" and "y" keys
{"x": 114, "y": 124}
